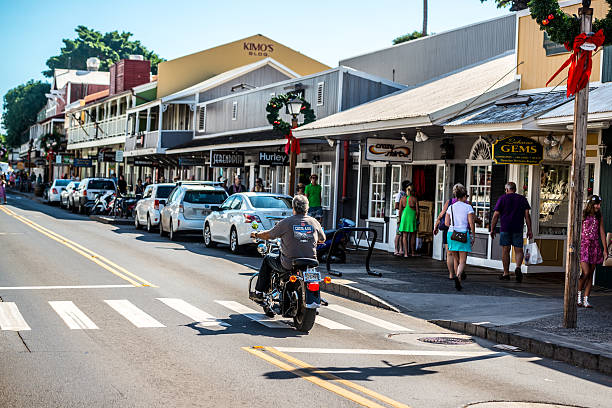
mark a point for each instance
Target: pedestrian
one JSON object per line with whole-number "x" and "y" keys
{"x": 512, "y": 211}
{"x": 258, "y": 188}
{"x": 139, "y": 189}
{"x": 237, "y": 187}
{"x": 122, "y": 185}
{"x": 592, "y": 238}
{"x": 3, "y": 188}
{"x": 440, "y": 226}
{"x": 301, "y": 189}
{"x": 313, "y": 192}
{"x": 398, "y": 235}
{"x": 147, "y": 182}
{"x": 461, "y": 232}
{"x": 409, "y": 214}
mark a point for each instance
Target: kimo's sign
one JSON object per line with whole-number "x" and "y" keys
{"x": 517, "y": 150}
{"x": 390, "y": 150}
{"x": 226, "y": 158}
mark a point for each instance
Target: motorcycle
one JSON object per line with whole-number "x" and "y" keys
{"x": 102, "y": 205}
{"x": 295, "y": 293}
{"x": 342, "y": 239}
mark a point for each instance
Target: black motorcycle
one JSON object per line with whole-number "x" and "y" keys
{"x": 295, "y": 293}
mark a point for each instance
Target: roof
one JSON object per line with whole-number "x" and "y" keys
{"x": 427, "y": 104}
{"x": 96, "y": 96}
{"x": 229, "y": 75}
{"x": 62, "y": 76}
{"x": 600, "y": 108}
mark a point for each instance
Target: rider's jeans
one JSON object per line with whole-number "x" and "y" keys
{"x": 271, "y": 262}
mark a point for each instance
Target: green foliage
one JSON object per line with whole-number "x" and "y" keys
{"x": 49, "y": 142}
{"x": 274, "y": 106}
{"x": 21, "y": 104}
{"x": 109, "y": 48}
{"x": 408, "y": 37}
{"x": 3, "y": 148}
{"x": 515, "y": 5}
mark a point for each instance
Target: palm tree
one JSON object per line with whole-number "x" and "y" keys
{"x": 424, "y": 18}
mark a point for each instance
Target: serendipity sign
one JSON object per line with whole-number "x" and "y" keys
{"x": 517, "y": 150}
{"x": 390, "y": 150}
{"x": 273, "y": 159}
{"x": 226, "y": 158}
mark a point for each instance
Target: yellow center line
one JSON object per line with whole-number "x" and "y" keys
{"x": 315, "y": 380}
{"x": 85, "y": 252}
{"x": 332, "y": 377}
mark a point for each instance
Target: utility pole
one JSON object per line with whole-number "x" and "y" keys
{"x": 424, "y": 32}
{"x": 576, "y": 192}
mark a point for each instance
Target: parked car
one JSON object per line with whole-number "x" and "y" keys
{"x": 53, "y": 193}
{"x": 152, "y": 202}
{"x": 232, "y": 223}
{"x": 65, "y": 195}
{"x": 187, "y": 207}
{"x": 89, "y": 188}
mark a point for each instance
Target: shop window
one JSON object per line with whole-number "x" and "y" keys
{"x": 589, "y": 181}
{"x": 282, "y": 177}
{"x": 554, "y": 200}
{"x": 396, "y": 186}
{"x": 377, "y": 192}
{"x": 440, "y": 180}
{"x": 479, "y": 190}
{"x": 323, "y": 171}
{"x": 265, "y": 172}
{"x": 522, "y": 185}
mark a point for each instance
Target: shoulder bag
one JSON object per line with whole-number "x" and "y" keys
{"x": 456, "y": 235}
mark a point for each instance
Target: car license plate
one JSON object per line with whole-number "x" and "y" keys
{"x": 312, "y": 275}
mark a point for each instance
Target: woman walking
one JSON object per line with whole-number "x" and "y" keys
{"x": 409, "y": 213}
{"x": 440, "y": 226}
{"x": 3, "y": 188}
{"x": 592, "y": 238}
{"x": 461, "y": 231}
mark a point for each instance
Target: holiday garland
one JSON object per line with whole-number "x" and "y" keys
{"x": 49, "y": 140}
{"x": 276, "y": 103}
{"x": 563, "y": 28}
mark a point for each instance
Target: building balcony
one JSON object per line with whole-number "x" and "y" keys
{"x": 110, "y": 131}
{"x": 150, "y": 143}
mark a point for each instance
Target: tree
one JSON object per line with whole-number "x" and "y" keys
{"x": 408, "y": 37}
{"x": 515, "y": 5}
{"x": 21, "y": 105}
{"x": 109, "y": 48}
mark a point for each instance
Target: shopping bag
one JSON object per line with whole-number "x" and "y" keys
{"x": 419, "y": 243}
{"x": 532, "y": 254}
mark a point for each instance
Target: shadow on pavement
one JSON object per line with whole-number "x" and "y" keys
{"x": 241, "y": 326}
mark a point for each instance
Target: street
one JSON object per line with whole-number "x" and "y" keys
{"x": 108, "y": 316}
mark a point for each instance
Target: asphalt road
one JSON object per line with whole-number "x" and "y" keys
{"x": 94, "y": 315}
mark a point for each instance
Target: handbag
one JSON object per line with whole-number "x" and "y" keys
{"x": 456, "y": 235}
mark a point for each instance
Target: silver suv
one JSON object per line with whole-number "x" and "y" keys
{"x": 88, "y": 189}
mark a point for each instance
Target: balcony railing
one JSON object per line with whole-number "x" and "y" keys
{"x": 103, "y": 129}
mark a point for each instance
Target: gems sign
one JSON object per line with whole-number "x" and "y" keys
{"x": 390, "y": 150}
{"x": 517, "y": 150}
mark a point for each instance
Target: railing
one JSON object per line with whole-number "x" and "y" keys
{"x": 106, "y": 128}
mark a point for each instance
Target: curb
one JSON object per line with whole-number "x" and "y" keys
{"x": 111, "y": 220}
{"x": 571, "y": 354}
{"x": 358, "y": 295}
{"x": 26, "y": 195}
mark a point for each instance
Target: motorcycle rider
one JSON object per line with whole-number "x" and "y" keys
{"x": 299, "y": 236}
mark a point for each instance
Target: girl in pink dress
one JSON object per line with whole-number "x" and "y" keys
{"x": 592, "y": 239}
{"x": 3, "y": 188}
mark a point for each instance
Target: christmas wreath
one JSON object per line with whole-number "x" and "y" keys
{"x": 275, "y": 105}
{"x": 50, "y": 141}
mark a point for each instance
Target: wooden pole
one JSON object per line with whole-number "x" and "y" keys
{"x": 292, "y": 160}
{"x": 576, "y": 192}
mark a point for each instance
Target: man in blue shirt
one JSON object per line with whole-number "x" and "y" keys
{"x": 511, "y": 209}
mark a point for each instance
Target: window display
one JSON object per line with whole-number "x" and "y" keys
{"x": 377, "y": 192}
{"x": 554, "y": 200}
{"x": 480, "y": 194}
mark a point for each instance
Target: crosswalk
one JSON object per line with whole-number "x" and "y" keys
{"x": 11, "y": 319}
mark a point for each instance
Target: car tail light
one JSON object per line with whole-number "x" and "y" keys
{"x": 313, "y": 287}
{"x": 54, "y": 191}
{"x": 181, "y": 208}
{"x": 156, "y": 204}
{"x": 84, "y": 193}
{"x": 248, "y": 218}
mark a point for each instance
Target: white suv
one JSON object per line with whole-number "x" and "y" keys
{"x": 151, "y": 204}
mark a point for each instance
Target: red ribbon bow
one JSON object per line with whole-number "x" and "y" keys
{"x": 580, "y": 62}
{"x": 293, "y": 144}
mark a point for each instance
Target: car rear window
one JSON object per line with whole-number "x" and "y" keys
{"x": 205, "y": 197}
{"x": 270, "y": 202}
{"x": 101, "y": 185}
{"x": 62, "y": 183}
{"x": 164, "y": 191}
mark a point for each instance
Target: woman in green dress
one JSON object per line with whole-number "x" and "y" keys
{"x": 409, "y": 213}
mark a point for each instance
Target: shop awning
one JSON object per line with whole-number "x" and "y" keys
{"x": 234, "y": 141}
{"x": 600, "y": 109}
{"x": 429, "y": 104}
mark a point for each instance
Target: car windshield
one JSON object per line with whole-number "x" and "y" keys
{"x": 164, "y": 191}
{"x": 204, "y": 197}
{"x": 270, "y": 202}
{"x": 101, "y": 185}
{"x": 62, "y": 183}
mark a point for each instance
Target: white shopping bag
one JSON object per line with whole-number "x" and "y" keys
{"x": 418, "y": 243}
{"x": 532, "y": 254}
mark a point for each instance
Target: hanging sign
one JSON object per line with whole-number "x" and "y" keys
{"x": 119, "y": 156}
{"x": 82, "y": 163}
{"x": 135, "y": 161}
{"x": 517, "y": 150}
{"x": 226, "y": 158}
{"x": 106, "y": 156}
{"x": 192, "y": 161}
{"x": 273, "y": 159}
{"x": 390, "y": 150}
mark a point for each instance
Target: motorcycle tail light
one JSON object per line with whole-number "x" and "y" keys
{"x": 156, "y": 204}
{"x": 54, "y": 191}
{"x": 327, "y": 279}
{"x": 292, "y": 278}
{"x": 313, "y": 287}
{"x": 251, "y": 218}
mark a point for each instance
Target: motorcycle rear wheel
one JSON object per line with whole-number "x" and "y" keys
{"x": 304, "y": 319}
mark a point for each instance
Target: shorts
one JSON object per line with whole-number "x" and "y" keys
{"x": 511, "y": 238}
{"x": 315, "y": 212}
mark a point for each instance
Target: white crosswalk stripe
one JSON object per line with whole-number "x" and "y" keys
{"x": 74, "y": 318}
{"x": 252, "y": 314}
{"x": 11, "y": 318}
{"x": 136, "y": 316}
{"x": 330, "y": 324}
{"x": 368, "y": 319}
{"x": 198, "y": 315}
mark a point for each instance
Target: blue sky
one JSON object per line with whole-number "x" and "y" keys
{"x": 31, "y": 31}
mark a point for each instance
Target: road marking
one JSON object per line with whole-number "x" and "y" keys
{"x": 330, "y": 324}
{"x": 72, "y": 315}
{"x": 11, "y": 318}
{"x": 253, "y": 314}
{"x": 64, "y": 287}
{"x": 198, "y": 315}
{"x": 87, "y": 253}
{"x": 368, "y": 319}
{"x": 136, "y": 316}
{"x": 264, "y": 354}
{"x": 437, "y": 353}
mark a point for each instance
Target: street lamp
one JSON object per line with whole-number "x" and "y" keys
{"x": 294, "y": 108}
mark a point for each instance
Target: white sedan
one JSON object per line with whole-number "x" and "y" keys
{"x": 232, "y": 223}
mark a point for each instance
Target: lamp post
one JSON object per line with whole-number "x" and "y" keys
{"x": 294, "y": 107}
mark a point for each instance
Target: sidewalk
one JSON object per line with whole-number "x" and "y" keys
{"x": 527, "y": 315}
